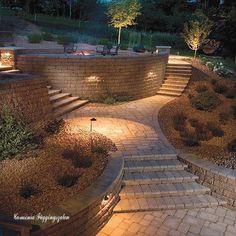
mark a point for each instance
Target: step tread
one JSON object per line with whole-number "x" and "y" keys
{"x": 169, "y": 93}
{"x": 135, "y": 178}
{"x": 68, "y": 108}
{"x": 153, "y": 165}
{"x": 49, "y": 87}
{"x": 14, "y": 71}
{"x": 161, "y": 203}
{"x": 166, "y": 88}
{"x": 152, "y": 157}
{"x": 177, "y": 86}
{"x": 59, "y": 96}
{"x": 64, "y": 102}
{"x": 52, "y": 92}
{"x": 162, "y": 189}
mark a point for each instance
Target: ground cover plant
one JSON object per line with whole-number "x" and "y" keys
{"x": 203, "y": 120}
{"x": 66, "y": 162}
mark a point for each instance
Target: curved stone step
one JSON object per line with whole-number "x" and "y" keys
{"x": 171, "y": 89}
{"x": 157, "y": 177}
{"x": 59, "y": 96}
{"x": 64, "y": 102}
{"x": 161, "y": 190}
{"x": 152, "y": 157}
{"x": 5, "y": 68}
{"x": 180, "y": 74}
{"x": 153, "y": 165}
{"x": 172, "y": 94}
{"x": 176, "y": 86}
{"x": 163, "y": 203}
{"x": 68, "y": 108}
{"x": 52, "y": 92}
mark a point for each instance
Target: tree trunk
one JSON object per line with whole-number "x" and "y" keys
{"x": 119, "y": 36}
{"x": 195, "y": 54}
{"x": 70, "y": 9}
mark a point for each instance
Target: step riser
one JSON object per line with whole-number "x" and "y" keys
{"x": 178, "y": 87}
{"x": 184, "y": 76}
{"x": 178, "y": 67}
{"x": 169, "y": 94}
{"x": 151, "y": 169}
{"x": 163, "y": 194}
{"x": 157, "y": 181}
{"x": 172, "y": 71}
{"x": 166, "y": 88}
{"x": 169, "y": 207}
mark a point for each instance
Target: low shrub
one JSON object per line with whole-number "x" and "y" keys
{"x": 67, "y": 180}
{"x": 202, "y": 131}
{"x": 109, "y": 100}
{"x": 215, "y": 129}
{"x": 123, "y": 46}
{"x": 28, "y": 190}
{"x": 34, "y": 38}
{"x": 179, "y": 120}
{"x": 122, "y": 97}
{"x": 15, "y": 136}
{"x": 233, "y": 107}
{"x": 230, "y": 94}
{"x": 98, "y": 148}
{"x": 65, "y": 39}
{"x": 220, "y": 87}
{"x": 54, "y": 126}
{"x": 189, "y": 138}
{"x": 213, "y": 81}
{"x": 232, "y": 145}
{"x": 200, "y": 88}
{"x": 205, "y": 101}
{"x": 78, "y": 159}
{"x": 47, "y": 36}
{"x": 224, "y": 117}
{"x": 103, "y": 42}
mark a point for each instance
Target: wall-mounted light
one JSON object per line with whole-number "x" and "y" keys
{"x": 91, "y": 123}
{"x": 106, "y": 199}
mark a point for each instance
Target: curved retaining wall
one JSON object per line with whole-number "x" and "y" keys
{"x": 26, "y": 97}
{"x": 95, "y": 77}
{"x": 90, "y": 210}
{"x": 221, "y": 180}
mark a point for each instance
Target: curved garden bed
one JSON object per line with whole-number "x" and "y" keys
{"x": 203, "y": 120}
{"x": 63, "y": 162}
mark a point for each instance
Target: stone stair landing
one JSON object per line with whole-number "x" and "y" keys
{"x": 177, "y": 77}
{"x": 64, "y": 103}
{"x": 157, "y": 182}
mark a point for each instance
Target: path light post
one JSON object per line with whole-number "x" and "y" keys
{"x": 91, "y": 123}
{"x": 91, "y": 131}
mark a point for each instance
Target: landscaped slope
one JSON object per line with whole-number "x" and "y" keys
{"x": 202, "y": 121}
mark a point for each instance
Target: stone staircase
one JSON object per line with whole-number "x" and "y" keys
{"x": 64, "y": 103}
{"x": 177, "y": 76}
{"x": 157, "y": 182}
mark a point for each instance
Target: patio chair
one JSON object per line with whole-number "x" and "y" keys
{"x": 114, "y": 51}
{"x": 70, "y": 48}
{"x": 103, "y": 50}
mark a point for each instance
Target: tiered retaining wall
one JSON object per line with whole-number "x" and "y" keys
{"x": 94, "y": 77}
{"x": 27, "y": 97}
{"x": 91, "y": 209}
{"x": 221, "y": 180}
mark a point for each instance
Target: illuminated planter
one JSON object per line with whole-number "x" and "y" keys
{"x": 93, "y": 77}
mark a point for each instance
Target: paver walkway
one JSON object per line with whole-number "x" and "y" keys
{"x": 134, "y": 128}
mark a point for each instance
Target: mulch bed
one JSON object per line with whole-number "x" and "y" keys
{"x": 42, "y": 167}
{"x": 214, "y": 149}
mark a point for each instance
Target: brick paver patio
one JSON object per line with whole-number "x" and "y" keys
{"x": 134, "y": 128}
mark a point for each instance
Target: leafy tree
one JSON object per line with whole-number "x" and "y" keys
{"x": 123, "y": 13}
{"x": 196, "y": 31}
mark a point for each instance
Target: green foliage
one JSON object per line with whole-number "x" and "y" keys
{"x": 196, "y": 31}
{"x": 230, "y": 93}
{"x": 34, "y": 38}
{"x": 79, "y": 160}
{"x": 47, "y": 36}
{"x": 65, "y": 39}
{"x": 99, "y": 148}
{"x": 122, "y": 13}
{"x": 190, "y": 138}
{"x": 103, "y": 42}
{"x": 67, "y": 180}
{"x": 205, "y": 101}
{"x": 28, "y": 190}
{"x": 200, "y": 88}
{"x": 15, "y": 136}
